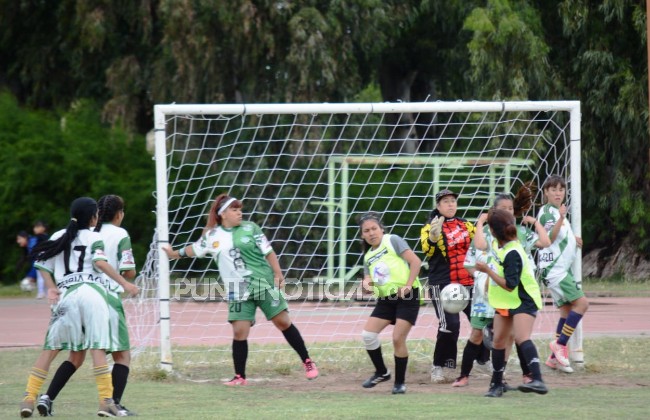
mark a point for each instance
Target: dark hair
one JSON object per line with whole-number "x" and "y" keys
{"x": 82, "y": 210}
{"x": 371, "y": 215}
{"x": 502, "y": 225}
{"x": 108, "y": 206}
{"x": 23, "y": 234}
{"x": 554, "y": 180}
{"x": 434, "y": 213}
{"x": 523, "y": 200}
{"x": 42, "y": 223}
{"x": 214, "y": 219}
{"x": 501, "y": 197}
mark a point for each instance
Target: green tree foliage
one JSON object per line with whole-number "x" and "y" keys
{"x": 602, "y": 61}
{"x": 129, "y": 55}
{"x": 48, "y": 160}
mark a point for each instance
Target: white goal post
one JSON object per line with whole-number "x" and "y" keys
{"x": 304, "y": 172}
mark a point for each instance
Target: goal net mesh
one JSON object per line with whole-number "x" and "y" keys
{"x": 305, "y": 178}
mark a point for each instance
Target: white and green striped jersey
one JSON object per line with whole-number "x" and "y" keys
{"x": 117, "y": 247}
{"x": 528, "y": 237}
{"x": 557, "y": 259}
{"x": 85, "y": 250}
{"x": 240, "y": 254}
{"x": 480, "y": 305}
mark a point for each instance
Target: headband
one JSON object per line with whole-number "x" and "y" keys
{"x": 225, "y": 206}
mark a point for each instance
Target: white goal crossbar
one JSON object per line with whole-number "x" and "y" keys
{"x": 499, "y": 175}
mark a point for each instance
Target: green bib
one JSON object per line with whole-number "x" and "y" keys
{"x": 499, "y": 297}
{"x": 388, "y": 270}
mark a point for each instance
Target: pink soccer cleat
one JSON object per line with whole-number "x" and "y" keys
{"x": 311, "y": 371}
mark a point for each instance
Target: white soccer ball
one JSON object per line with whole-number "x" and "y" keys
{"x": 454, "y": 298}
{"x": 26, "y": 285}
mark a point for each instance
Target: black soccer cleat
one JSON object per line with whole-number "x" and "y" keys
{"x": 399, "y": 389}
{"x": 537, "y": 387}
{"x": 376, "y": 379}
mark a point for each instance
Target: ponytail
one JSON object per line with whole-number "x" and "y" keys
{"x": 82, "y": 210}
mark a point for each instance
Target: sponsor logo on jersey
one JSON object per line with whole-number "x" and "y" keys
{"x": 247, "y": 228}
{"x": 245, "y": 240}
{"x": 215, "y": 244}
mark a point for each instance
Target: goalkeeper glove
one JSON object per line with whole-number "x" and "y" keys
{"x": 436, "y": 228}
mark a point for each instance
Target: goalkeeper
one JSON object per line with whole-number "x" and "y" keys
{"x": 252, "y": 277}
{"x": 445, "y": 241}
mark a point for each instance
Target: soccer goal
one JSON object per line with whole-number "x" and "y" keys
{"x": 304, "y": 173}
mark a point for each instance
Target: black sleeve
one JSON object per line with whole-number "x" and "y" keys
{"x": 512, "y": 269}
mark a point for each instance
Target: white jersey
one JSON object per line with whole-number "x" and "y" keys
{"x": 556, "y": 260}
{"x": 80, "y": 320}
{"x": 240, "y": 254}
{"x": 86, "y": 249}
{"x": 117, "y": 247}
{"x": 480, "y": 305}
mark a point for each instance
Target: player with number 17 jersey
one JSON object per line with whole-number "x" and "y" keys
{"x": 80, "y": 320}
{"x": 240, "y": 254}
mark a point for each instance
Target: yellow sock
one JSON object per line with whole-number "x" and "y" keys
{"x": 34, "y": 383}
{"x": 104, "y": 382}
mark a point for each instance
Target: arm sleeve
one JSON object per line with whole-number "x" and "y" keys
{"x": 125, "y": 258}
{"x": 470, "y": 257}
{"x": 399, "y": 244}
{"x": 428, "y": 247}
{"x": 261, "y": 241}
{"x": 97, "y": 249}
{"x": 201, "y": 247}
{"x": 547, "y": 219}
{"x": 512, "y": 269}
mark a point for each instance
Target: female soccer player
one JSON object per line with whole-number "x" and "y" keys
{"x": 252, "y": 277}
{"x": 445, "y": 241}
{"x": 391, "y": 270}
{"x": 80, "y": 319}
{"x": 555, "y": 263}
{"x": 483, "y": 248}
{"x": 117, "y": 247}
{"x": 515, "y": 295}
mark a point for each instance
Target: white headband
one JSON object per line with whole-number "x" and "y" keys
{"x": 225, "y": 206}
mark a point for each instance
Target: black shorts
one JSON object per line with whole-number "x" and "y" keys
{"x": 392, "y": 307}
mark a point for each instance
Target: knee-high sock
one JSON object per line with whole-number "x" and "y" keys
{"x": 104, "y": 382}
{"x": 34, "y": 383}
{"x": 61, "y": 377}
{"x": 295, "y": 340}
{"x": 532, "y": 359}
{"x": 377, "y": 360}
{"x": 569, "y": 326}
{"x": 470, "y": 353}
{"x": 120, "y": 376}
{"x": 400, "y": 369}
{"x": 525, "y": 370}
{"x": 498, "y": 365}
{"x": 239, "y": 356}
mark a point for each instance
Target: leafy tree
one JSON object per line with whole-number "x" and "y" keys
{"x": 49, "y": 160}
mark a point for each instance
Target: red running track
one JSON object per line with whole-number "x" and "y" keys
{"x": 24, "y": 322}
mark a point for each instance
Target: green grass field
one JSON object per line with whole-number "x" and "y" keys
{"x": 614, "y": 384}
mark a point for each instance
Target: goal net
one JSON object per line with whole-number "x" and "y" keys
{"x": 304, "y": 173}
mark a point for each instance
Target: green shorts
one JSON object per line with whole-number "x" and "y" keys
{"x": 480, "y": 322}
{"x": 565, "y": 291}
{"x": 270, "y": 301}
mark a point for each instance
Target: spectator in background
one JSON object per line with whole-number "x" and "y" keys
{"x": 26, "y": 242}
{"x": 40, "y": 235}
